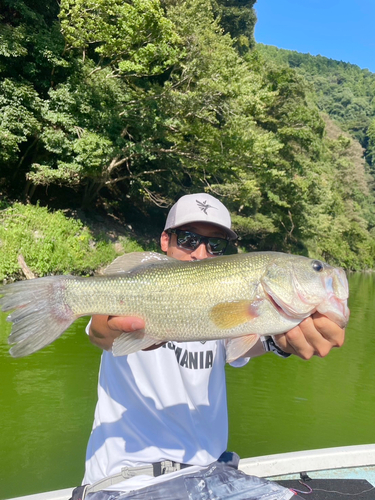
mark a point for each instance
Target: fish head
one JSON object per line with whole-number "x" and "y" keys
{"x": 299, "y": 286}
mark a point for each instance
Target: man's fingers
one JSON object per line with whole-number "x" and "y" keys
{"x": 329, "y": 330}
{"x": 120, "y": 324}
{"x": 315, "y": 335}
{"x": 125, "y": 323}
{"x": 300, "y": 340}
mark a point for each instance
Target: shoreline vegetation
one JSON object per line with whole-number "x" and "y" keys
{"x": 113, "y": 110}
{"x": 36, "y": 242}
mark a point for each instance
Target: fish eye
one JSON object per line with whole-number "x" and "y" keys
{"x": 317, "y": 266}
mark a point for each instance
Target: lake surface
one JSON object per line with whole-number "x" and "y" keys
{"x": 276, "y": 405}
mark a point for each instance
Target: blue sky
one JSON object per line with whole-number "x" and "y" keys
{"x": 339, "y": 29}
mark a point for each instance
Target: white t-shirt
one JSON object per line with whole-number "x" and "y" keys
{"x": 165, "y": 404}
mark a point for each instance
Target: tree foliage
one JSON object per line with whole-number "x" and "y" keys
{"x": 129, "y": 105}
{"x": 238, "y": 18}
{"x": 134, "y": 38}
{"x": 342, "y": 90}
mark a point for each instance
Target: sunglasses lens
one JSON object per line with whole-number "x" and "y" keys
{"x": 216, "y": 246}
{"x": 191, "y": 241}
{"x": 187, "y": 240}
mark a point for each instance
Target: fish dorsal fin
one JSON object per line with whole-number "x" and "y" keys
{"x": 130, "y": 261}
{"x": 231, "y": 314}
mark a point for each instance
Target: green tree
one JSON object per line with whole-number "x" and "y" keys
{"x": 344, "y": 91}
{"x": 238, "y": 18}
{"x": 132, "y": 104}
{"x": 31, "y": 62}
{"x": 133, "y": 38}
{"x": 152, "y": 135}
{"x": 370, "y": 152}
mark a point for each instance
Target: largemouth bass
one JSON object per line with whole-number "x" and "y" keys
{"x": 237, "y": 297}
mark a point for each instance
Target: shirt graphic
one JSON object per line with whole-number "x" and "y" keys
{"x": 193, "y": 360}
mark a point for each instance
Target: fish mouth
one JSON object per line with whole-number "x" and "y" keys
{"x": 286, "y": 311}
{"x": 275, "y": 304}
{"x": 335, "y": 307}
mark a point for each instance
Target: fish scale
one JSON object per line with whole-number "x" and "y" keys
{"x": 237, "y": 297}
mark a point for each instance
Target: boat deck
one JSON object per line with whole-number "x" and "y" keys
{"x": 332, "y": 473}
{"x": 331, "y": 489}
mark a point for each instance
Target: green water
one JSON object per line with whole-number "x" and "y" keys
{"x": 47, "y": 401}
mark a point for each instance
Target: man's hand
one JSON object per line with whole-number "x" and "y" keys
{"x": 105, "y": 329}
{"x": 314, "y": 336}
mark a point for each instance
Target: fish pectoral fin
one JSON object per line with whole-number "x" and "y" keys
{"x": 239, "y": 346}
{"x": 129, "y": 342}
{"x": 231, "y": 314}
{"x": 133, "y": 260}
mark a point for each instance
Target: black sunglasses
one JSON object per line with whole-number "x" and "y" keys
{"x": 191, "y": 241}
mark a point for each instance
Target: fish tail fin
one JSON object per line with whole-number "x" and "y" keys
{"x": 38, "y": 317}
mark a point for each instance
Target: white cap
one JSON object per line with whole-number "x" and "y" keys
{"x": 200, "y": 207}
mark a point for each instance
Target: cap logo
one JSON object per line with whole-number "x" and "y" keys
{"x": 204, "y": 206}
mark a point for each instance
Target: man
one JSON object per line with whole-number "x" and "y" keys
{"x": 160, "y": 428}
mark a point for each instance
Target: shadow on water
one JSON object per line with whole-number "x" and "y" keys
{"x": 47, "y": 401}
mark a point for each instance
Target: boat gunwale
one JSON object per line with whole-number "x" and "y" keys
{"x": 271, "y": 466}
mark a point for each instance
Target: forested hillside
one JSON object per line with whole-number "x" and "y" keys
{"x": 344, "y": 91}
{"x": 124, "y": 106}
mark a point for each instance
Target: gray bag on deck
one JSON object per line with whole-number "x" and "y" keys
{"x": 219, "y": 481}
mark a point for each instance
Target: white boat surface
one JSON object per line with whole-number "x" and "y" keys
{"x": 345, "y": 462}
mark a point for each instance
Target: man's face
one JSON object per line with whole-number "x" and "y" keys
{"x": 168, "y": 242}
